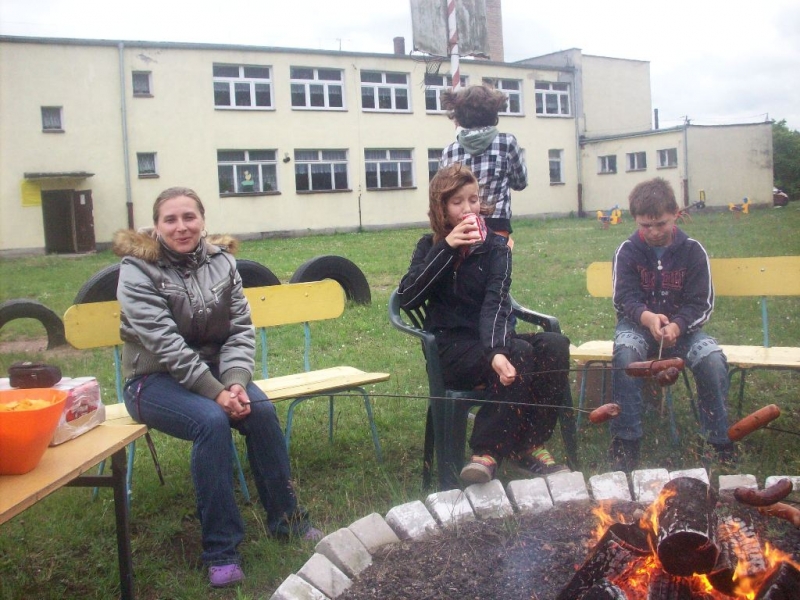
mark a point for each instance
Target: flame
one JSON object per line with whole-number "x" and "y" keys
{"x": 650, "y": 518}
{"x": 604, "y": 520}
{"x": 746, "y": 587}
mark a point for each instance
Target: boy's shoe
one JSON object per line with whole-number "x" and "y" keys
{"x": 624, "y": 454}
{"x": 297, "y": 526}
{"x": 480, "y": 469}
{"x": 220, "y": 576}
{"x": 539, "y": 461}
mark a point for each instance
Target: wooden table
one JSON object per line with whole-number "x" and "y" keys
{"x": 64, "y": 465}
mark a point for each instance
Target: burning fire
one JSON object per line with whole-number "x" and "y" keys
{"x": 635, "y": 580}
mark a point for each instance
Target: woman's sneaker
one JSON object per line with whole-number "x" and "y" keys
{"x": 480, "y": 469}
{"x": 540, "y": 462}
{"x": 220, "y": 576}
{"x": 297, "y": 526}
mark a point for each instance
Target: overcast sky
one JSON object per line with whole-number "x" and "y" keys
{"x": 712, "y": 61}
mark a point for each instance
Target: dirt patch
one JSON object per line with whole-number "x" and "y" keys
{"x": 527, "y": 558}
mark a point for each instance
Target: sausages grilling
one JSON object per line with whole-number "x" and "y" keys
{"x": 782, "y": 511}
{"x": 668, "y": 376}
{"x": 765, "y": 497}
{"x": 753, "y": 421}
{"x": 604, "y": 413}
{"x": 651, "y": 368}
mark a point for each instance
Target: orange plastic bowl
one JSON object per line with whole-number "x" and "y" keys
{"x": 25, "y": 434}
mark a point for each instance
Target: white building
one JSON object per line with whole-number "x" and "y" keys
{"x": 283, "y": 141}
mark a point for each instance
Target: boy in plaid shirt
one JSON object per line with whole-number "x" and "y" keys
{"x": 495, "y": 158}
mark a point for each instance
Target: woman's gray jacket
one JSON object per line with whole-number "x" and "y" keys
{"x": 184, "y": 313}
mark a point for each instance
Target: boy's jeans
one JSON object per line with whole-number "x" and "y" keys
{"x": 703, "y": 357}
{"x": 163, "y": 404}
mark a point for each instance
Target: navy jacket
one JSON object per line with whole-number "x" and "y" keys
{"x": 468, "y": 298}
{"x": 677, "y": 285}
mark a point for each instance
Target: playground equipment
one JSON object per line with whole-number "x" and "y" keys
{"x": 739, "y": 209}
{"x": 610, "y": 217}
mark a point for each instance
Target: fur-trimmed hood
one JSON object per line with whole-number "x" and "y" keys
{"x": 144, "y": 244}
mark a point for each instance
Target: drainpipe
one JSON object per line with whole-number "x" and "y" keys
{"x": 125, "y": 152}
{"x": 686, "y": 163}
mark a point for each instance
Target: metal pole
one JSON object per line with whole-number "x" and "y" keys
{"x": 125, "y": 153}
{"x": 452, "y": 29}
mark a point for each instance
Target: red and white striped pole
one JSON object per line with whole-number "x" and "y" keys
{"x": 452, "y": 29}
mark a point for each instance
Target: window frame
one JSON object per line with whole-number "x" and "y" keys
{"x": 390, "y": 157}
{"x": 663, "y": 156}
{"x": 149, "y": 77}
{"x": 249, "y": 163}
{"x": 326, "y": 84}
{"x": 147, "y": 174}
{"x": 45, "y": 110}
{"x": 392, "y": 87}
{"x": 322, "y": 160}
{"x": 557, "y": 160}
{"x": 242, "y": 79}
{"x": 563, "y": 97}
{"x": 434, "y": 160}
{"x": 607, "y": 164}
{"x": 632, "y": 160}
{"x": 501, "y": 84}
{"x": 436, "y": 89}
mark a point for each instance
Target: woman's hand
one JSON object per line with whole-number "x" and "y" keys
{"x": 504, "y": 369}
{"x": 465, "y": 233}
{"x": 234, "y": 402}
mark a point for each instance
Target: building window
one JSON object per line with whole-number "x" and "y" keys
{"x": 242, "y": 87}
{"x": 434, "y": 158}
{"x": 247, "y": 171}
{"x": 667, "y": 158}
{"x": 513, "y": 89}
{"x": 434, "y": 86}
{"x": 317, "y": 88}
{"x": 320, "y": 170}
{"x": 637, "y": 161}
{"x": 141, "y": 84}
{"x": 389, "y": 169}
{"x": 556, "y": 158}
{"x": 552, "y": 99}
{"x": 147, "y": 164}
{"x": 607, "y": 164}
{"x": 384, "y": 91}
{"x": 51, "y": 118}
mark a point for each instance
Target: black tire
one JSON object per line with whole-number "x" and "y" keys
{"x": 338, "y": 268}
{"x": 31, "y": 309}
{"x": 255, "y": 274}
{"x": 101, "y": 287}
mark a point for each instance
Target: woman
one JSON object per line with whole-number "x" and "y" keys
{"x": 188, "y": 359}
{"x": 465, "y": 281}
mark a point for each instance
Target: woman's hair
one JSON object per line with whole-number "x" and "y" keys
{"x": 174, "y": 192}
{"x": 652, "y": 198}
{"x": 447, "y": 181}
{"x": 475, "y": 106}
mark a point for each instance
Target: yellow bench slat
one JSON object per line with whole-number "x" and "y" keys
{"x": 299, "y": 302}
{"x": 94, "y": 325}
{"x": 320, "y": 381}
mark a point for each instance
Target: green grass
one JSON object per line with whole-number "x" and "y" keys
{"x": 64, "y": 547}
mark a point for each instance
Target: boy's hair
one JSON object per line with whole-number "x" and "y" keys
{"x": 475, "y": 106}
{"x": 652, "y": 198}
{"x": 447, "y": 181}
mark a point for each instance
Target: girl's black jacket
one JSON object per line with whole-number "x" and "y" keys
{"x": 677, "y": 285}
{"x": 467, "y": 296}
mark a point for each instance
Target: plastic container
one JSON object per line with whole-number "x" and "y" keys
{"x": 25, "y": 434}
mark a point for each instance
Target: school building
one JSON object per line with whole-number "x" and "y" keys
{"x": 281, "y": 141}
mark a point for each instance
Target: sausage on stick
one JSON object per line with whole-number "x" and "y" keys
{"x": 651, "y": 368}
{"x": 765, "y": 497}
{"x": 753, "y": 421}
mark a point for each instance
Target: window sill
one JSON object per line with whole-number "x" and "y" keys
{"x": 392, "y": 189}
{"x": 321, "y": 108}
{"x": 149, "y": 175}
{"x": 53, "y": 131}
{"x": 397, "y": 111}
{"x": 143, "y": 96}
{"x": 511, "y": 114}
{"x": 635, "y": 170}
{"x": 606, "y": 172}
{"x": 245, "y": 108}
{"x": 668, "y": 167}
{"x": 304, "y": 192}
{"x": 544, "y": 116}
{"x": 558, "y": 183}
{"x": 248, "y": 194}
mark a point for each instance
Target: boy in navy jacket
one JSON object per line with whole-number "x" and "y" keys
{"x": 663, "y": 295}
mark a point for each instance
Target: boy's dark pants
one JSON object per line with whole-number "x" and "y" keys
{"x": 512, "y": 423}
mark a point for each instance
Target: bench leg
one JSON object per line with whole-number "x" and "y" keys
{"x": 427, "y": 451}
{"x": 237, "y": 465}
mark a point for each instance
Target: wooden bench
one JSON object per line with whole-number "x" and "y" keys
{"x": 760, "y": 276}
{"x": 96, "y": 325}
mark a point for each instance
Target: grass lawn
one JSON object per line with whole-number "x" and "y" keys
{"x": 64, "y": 547}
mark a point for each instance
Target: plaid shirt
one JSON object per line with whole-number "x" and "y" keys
{"x": 500, "y": 167}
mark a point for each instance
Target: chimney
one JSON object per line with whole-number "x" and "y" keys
{"x": 399, "y": 45}
{"x": 494, "y": 25}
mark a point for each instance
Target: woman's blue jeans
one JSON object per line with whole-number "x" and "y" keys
{"x": 703, "y": 357}
{"x": 161, "y": 403}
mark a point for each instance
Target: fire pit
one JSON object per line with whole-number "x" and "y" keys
{"x": 683, "y": 548}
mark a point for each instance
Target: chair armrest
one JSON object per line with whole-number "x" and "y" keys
{"x": 546, "y": 322}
